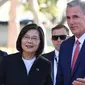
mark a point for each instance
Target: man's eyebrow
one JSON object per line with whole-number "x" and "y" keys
{"x": 75, "y": 16}
{"x": 67, "y": 16}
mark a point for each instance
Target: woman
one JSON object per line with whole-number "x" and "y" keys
{"x": 27, "y": 67}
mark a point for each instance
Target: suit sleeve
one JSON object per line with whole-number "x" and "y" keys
{"x": 2, "y": 72}
{"x": 48, "y": 80}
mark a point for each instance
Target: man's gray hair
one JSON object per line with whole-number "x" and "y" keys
{"x": 80, "y": 3}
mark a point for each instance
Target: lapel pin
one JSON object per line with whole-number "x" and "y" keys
{"x": 37, "y": 69}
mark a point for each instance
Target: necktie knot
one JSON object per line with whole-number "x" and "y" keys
{"x": 77, "y": 42}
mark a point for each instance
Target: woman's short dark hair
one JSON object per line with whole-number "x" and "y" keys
{"x": 24, "y": 31}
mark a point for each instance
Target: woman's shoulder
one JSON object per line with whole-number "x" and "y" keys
{"x": 45, "y": 59}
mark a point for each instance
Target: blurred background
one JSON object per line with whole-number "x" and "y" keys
{"x": 14, "y": 14}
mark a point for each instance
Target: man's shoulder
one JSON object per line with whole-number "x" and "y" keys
{"x": 49, "y": 53}
{"x": 69, "y": 40}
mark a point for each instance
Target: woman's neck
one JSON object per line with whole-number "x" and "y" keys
{"x": 28, "y": 56}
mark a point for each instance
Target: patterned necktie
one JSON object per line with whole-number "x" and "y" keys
{"x": 75, "y": 56}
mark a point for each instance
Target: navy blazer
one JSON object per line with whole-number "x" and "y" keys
{"x": 65, "y": 75}
{"x": 13, "y": 71}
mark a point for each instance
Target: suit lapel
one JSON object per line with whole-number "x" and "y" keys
{"x": 69, "y": 56}
{"x": 36, "y": 75}
{"x": 33, "y": 73}
{"x": 71, "y": 42}
{"x": 51, "y": 56}
{"x": 21, "y": 65}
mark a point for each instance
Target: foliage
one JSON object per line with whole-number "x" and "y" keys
{"x": 51, "y": 9}
{"x": 45, "y": 6}
{"x": 47, "y": 1}
{"x": 27, "y": 6}
{"x": 48, "y": 6}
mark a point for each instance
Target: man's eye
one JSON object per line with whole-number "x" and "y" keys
{"x": 68, "y": 17}
{"x": 75, "y": 16}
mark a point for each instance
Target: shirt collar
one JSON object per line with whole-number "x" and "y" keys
{"x": 57, "y": 54}
{"x": 81, "y": 39}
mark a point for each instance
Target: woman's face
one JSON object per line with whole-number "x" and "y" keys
{"x": 30, "y": 41}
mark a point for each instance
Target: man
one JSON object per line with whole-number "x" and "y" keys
{"x": 68, "y": 70}
{"x": 59, "y": 33}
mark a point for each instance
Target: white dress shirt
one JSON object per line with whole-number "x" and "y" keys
{"x": 81, "y": 40}
{"x": 28, "y": 63}
{"x": 55, "y": 66}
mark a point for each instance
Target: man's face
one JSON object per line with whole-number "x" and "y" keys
{"x": 76, "y": 20}
{"x": 58, "y": 35}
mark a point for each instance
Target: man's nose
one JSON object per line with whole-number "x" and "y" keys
{"x": 59, "y": 39}
{"x": 71, "y": 21}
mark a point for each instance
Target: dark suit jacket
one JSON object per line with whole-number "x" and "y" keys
{"x": 65, "y": 75}
{"x": 50, "y": 56}
{"x": 13, "y": 71}
{"x": 2, "y": 53}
